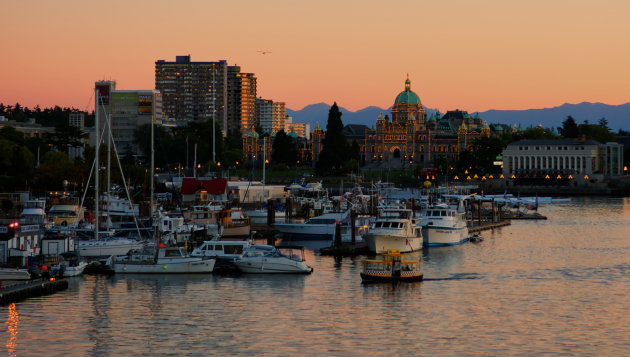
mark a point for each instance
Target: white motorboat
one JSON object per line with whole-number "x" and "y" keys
{"x": 396, "y": 229}
{"x": 317, "y": 228}
{"x": 262, "y": 258}
{"x": 442, "y": 225}
{"x": 14, "y": 274}
{"x": 107, "y": 246}
{"x": 71, "y": 264}
{"x": 171, "y": 260}
{"x": 226, "y": 250}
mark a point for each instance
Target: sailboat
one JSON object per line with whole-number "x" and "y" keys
{"x": 107, "y": 245}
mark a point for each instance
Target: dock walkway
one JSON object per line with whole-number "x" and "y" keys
{"x": 13, "y": 291}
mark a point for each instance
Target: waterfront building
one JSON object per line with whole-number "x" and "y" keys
{"x": 576, "y": 162}
{"x": 29, "y": 128}
{"x": 193, "y": 90}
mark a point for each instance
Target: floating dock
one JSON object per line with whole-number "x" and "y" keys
{"x": 13, "y": 291}
{"x": 483, "y": 226}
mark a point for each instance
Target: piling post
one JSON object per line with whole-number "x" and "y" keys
{"x": 271, "y": 212}
{"x": 288, "y": 209}
{"x": 493, "y": 212}
{"x": 353, "y": 225}
{"x": 338, "y": 235}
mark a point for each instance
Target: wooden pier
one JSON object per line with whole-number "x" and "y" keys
{"x": 475, "y": 227}
{"x": 13, "y": 291}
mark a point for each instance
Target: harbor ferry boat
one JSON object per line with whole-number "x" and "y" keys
{"x": 391, "y": 268}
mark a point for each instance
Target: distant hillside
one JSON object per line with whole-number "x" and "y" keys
{"x": 618, "y": 116}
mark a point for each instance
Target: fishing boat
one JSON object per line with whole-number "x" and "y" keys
{"x": 392, "y": 267}
{"x": 395, "y": 228}
{"x": 71, "y": 264}
{"x": 267, "y": 259}
{"x": 443, "y": 225}
{"x": 169, "y": 260}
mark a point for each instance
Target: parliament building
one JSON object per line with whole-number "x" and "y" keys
{"x": 412, "y": 137}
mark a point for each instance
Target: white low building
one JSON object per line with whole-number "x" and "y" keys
{"x": 561, "y": 162}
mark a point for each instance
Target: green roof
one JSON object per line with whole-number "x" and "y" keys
{"x": 407, "y": 96}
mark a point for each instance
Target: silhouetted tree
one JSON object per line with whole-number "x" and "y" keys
{"x": 335, "y": 148}
{"x": 569, "y": 128}
{"x": 284, "y": 150}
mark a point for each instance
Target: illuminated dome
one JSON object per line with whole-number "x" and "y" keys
{"x": 407, "y": 96}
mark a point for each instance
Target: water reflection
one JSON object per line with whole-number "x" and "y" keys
{"x": 13, "y": 320}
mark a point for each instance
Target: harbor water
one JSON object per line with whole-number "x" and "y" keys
{"x": 557, "y": 286}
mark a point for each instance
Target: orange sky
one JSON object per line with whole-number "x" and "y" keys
{"x": 470, "y": 55}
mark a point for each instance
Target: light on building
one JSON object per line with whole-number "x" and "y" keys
{"x": 490, "y": 177}
{"x": 483, "y": 178}
{"x": 501, "y": 176}
{"x": 476, "y": 176}
{"x": 466, "y": 172}
{"x": 468, "y": 178}
{"x": 456, "y": 177}
{"x": 559, "y": 177}
{"x": 237, "y": 162}
{"x": 547, "y": 177}
{"x": 513, "y": 176}
{"x": 586, "y": 177}
{"x": 570, "y": 177}
{"x": 218, "y": 163}
{"x": 198, "y": 166}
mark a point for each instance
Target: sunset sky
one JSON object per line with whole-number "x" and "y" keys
{"x": 470, "y": 55}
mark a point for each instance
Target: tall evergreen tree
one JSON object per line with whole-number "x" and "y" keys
{"x": 284, "y": 150}
{"x": 569, "y": 128}
{"x": 335, "y": 148}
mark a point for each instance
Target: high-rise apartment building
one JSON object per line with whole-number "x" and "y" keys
{"x": 193, "y": 90}
{"x": 270, "y": 115}
{"x": 264, "y": 112}
{"x": 241, "y": 107}
{"x": 124, "y": 111}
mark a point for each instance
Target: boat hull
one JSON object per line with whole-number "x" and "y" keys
{"x": 14, "y": 274}
{"x": 381, "y": 243}
{"x": 190, "y": 267}
{"x": 369, "y": 278}
{"x": 106, "y": 248}
{"x": 435, "y": 236}
{"x": 267, "y": 266}
{"x": 75, "y": 270}
{"x": 301, "y": 231}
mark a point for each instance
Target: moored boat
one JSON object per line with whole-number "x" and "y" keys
{"x": 391, "y": 268}
{"x": 395, "y": 228}
{"x": 14, "y": 274}
{"x": 442, "y": 225}
{"x": 262, "y": 258}
{"x": 171, "y": 260}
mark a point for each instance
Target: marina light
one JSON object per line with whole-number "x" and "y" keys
{"x": 501, "y": 176}
{"x": 570, "y": 177}
{"x": 456, "y": 177}
{"x": 559, "y": 177}
{"x": 586, "y": 177}
{"x": 547, "y": 177}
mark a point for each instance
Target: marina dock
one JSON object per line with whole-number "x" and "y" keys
{"x": 14, "y": 291}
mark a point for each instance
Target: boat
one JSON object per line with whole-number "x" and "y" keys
{"x": 233, "y": 223}
{"x": 170, "y": 260}
{"x": 392, "y": 267}
{"x": 262, "y": 258}
{"x": 395, "y": 228}
{"x": 107, "y": 246}
{"x": 14, "y": 274}
{"x": 66, "y": 214}
{"x": 317, "y": 228}
{"x": 443, "y": 225}
{"x": 226, "y": 250}
{"x": 71, "y": 264}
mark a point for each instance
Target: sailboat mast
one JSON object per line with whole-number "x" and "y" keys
{"x": 96, "y": 165}
{"x": 152, "y": 170}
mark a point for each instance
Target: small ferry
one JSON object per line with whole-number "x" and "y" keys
{"x": 391, "y": 268}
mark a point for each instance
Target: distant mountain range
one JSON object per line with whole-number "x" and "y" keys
{"x": 618, "y": 116}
